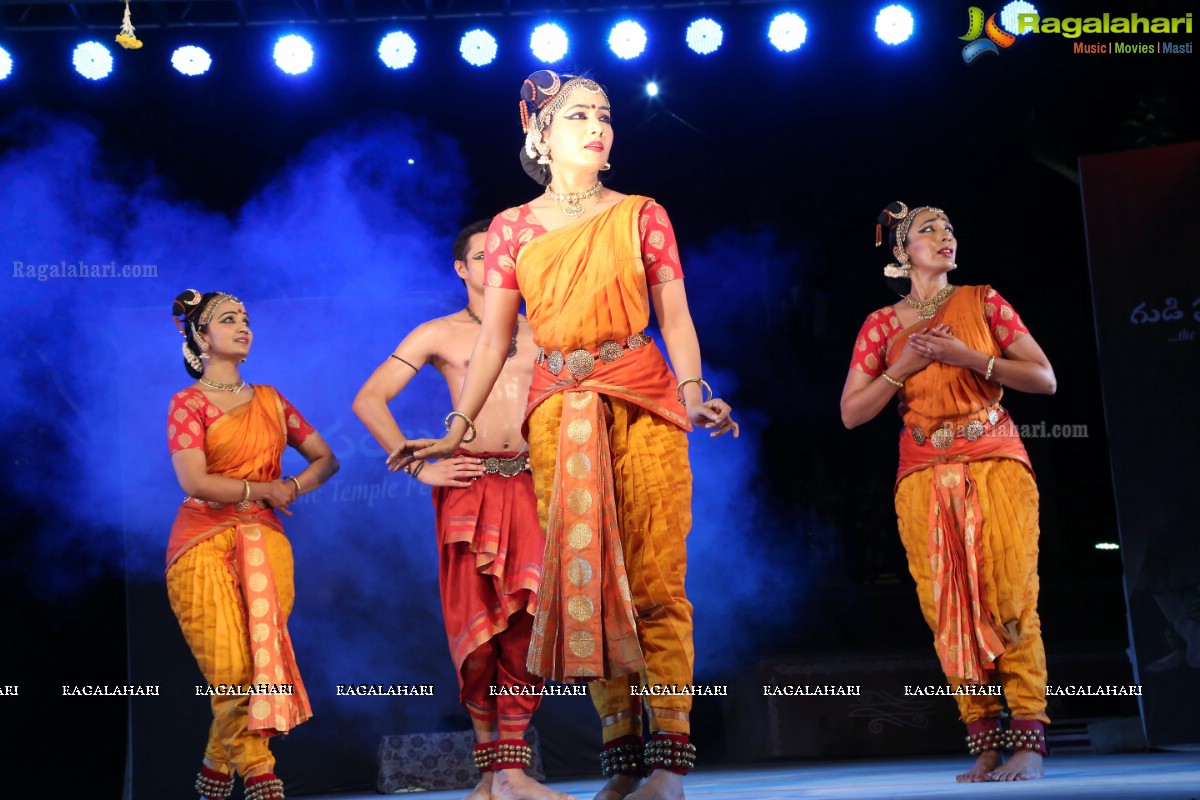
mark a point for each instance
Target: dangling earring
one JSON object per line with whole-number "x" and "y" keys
{"x": 607, "y": 166}
{"x": 191, "y": 359}
{"x": 544, "y": 152}
{"x": 243, "y": 361}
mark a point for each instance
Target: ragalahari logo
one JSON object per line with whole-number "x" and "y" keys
{"x": 997, "y": 37}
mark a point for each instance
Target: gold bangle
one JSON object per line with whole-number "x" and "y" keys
{"x": 987, "y": 376}
{"x": 470, "y": 424}
{"x": 703, "y": 385}
{"x": 245, "y": 490}
{"x": 296, "y": 481}
{"x": 893, "y": 381}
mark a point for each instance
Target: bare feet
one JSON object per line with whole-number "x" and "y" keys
{"x": 484, "y": 790}
{"x": 617, "y": 788}
{"x": 988, "y": 760}
{"x": 1024, "y": 765}
{"x": 514, "y": 784}
{"x": 661, "y": 785}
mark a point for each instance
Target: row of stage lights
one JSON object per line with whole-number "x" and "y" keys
{"x": 549, "y": 43}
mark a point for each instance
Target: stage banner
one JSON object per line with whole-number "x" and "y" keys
{"x": 1143, "y": 238}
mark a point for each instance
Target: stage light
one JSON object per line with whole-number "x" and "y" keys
{"x": 191, "y": 60}
{"x": 1010, "y": 15}
{"x": 1107, "y": 546}
{"x": 412, "y": 161}
{"x": 548, "y": 43}
{"x": 293, "y": 54}
{"x": 627, "y": 39}
{"x": 397, "y": 50}
{"x": 92, "y": 60}
{"x": 894, "y": 24}
{"x": 652, "y": 89}
{"x": 787, "y": 32}
{"x": 478, "y": 48}
{"x": 704, "y": 36}
{"x": 5, "y": 64}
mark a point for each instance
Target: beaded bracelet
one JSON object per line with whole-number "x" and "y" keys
{"x": 893, "y": 381}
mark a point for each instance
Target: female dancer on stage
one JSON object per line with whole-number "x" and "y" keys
{"x": 229, "y": 566}
{"x": 607, "y": 424}
{"x": 965, "y": 494}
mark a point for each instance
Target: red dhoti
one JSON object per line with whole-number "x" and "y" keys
{"x": 490, "y": 545}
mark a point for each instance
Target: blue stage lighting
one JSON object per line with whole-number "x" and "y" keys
{"x": 1010, "y": 16}
{"x": 627, "y": 39}
{"x": 293, "y": 54}
{"x": 548, "y": 43}
{"x": 397, "y": 50}
{"x": 92, "y": 60}
{"x": 894, "y": 24}
{"x": 787, "y": 32}
{"x": 191, "y": 60}
{"x": 478, "y": 48}
{"x": 5, "y": 64}
{"x": 652, "y": 89}
{"x": 704, "y": 36}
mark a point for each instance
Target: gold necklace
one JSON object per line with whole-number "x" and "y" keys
{"x": 223, "y": 387}
{"x": 573, "y": 208}
{"x": 512, "y": 349}
{"x": 927, "y": 308}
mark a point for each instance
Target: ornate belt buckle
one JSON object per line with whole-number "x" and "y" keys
{"x": 491, "y": 465}
{"x": 994, "y": 415}
{"x": 554, "y": 362}
{"x": 918, "y": 435}
{"x": 511, "y": 466}
{"x": 942, "y": 438}
{"x": 244, "y": 506}
{"x": 974, "y": 430}
{"x": 581, "y": 363}
{"x": 215, "y": 505}
{"x": 637, "y": 340}
{"x": 611, "y": 350}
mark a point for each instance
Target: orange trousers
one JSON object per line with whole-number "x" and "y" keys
{"x": 1008, "y": 498}
{"x": 206, "y": 602}
{"x": 653, "y": 491}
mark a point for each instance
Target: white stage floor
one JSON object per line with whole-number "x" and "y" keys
{"x": 1142, "y": 776}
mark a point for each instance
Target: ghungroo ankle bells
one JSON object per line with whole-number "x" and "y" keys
{"x": 1027, "y": 734}
{"x": 512, "y": 754}
{"x": 483, "y": 755}
{"x": 670, "y": 751}
{"x": 502, "y": 754}
{"x": 986, "y": 734}
{"x": 213, "y": 785}
{"x": 264, "y": 787}
{"x": 623, "y": 756}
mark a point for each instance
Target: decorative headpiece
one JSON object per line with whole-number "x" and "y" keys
{"x": 899, "y": 221}
{"x": 542, "y": 96}
{"x": 190, "y": 307}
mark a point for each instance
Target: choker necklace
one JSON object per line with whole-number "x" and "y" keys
{"x": 927, "y": 308}
{"x": 573, "y": 207}
{"x": 512, "y": 349}
{"x": 223, "y": 387}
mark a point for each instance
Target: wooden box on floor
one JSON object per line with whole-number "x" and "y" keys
{"x": 437, "y": 762}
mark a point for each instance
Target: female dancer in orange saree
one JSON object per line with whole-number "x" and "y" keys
{"x": 229, "y": 566}
{"x": 607, "y": 428}
{"x": 966, "y": 499}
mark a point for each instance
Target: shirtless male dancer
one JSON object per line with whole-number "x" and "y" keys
{"x": 490, "y": 542}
